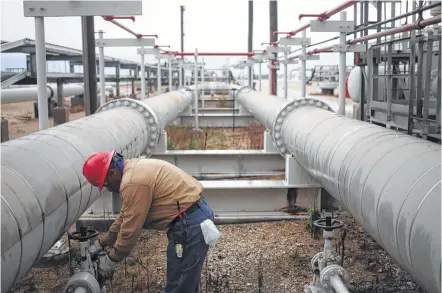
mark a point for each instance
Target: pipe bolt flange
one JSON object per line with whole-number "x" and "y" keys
{"x": 314, "y": 261}
{"x": 148, "y": 115}
{"x": 332, "y": 270}
{"x": 284, "y": 112}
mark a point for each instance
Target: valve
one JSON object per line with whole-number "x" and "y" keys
{"x": 86, "y": 278}
{"x": 328, "y": 224}
{"x": 83, "y": 235}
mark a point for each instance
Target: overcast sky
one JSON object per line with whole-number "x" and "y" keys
{"x": 209, "y": 25}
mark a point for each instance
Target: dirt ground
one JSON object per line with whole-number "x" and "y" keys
{"x": 260, "y": 257}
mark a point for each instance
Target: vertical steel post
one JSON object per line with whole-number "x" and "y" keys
{"x": 40, "y": 52}
{"x": 159, "y": 75}
{"x": 303, "y": 69}
{"x": 102, "y": 76}
{"x": 196, "y": 90}
{"x": 89, "y": 65}
{"x": 420, "y": 69}
{"x": 427, "y": 84}
{"x": 170, "y": 75}
{"x": 411, "y": 82}
{"x": 202, "y": 74}
{"x": 60, "y": 92}
{"x": 180, "y": 73}
{"x": 259, "y": 75}
{"x": 438, "y": 93}
{"x": 389, "y": 80}
{"x": 143, "y": 75}
{"x": 273, "y": 9}
{"x": 285, "y": 73}
{"x": 250, "y": 40}
{"x": 342, "y": 68}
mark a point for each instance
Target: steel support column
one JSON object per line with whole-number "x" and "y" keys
{"x": 89, "y": 65}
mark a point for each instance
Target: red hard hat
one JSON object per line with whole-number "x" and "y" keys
{"x": 96, "y": 166}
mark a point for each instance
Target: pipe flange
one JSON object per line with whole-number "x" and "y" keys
{"x": 284, "y": 112}
{"x": 244, "y": 89}
{"x": 314, "y": 263}
{"x": 332, "y": 270}
{"x": 83, "y": 280}
{"x": 149, "y": 116}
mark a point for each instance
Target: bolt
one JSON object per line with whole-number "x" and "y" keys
{"x": 31, "y": 9}
{"x": 326, "y": 286}
{"x": 326, "y": 278}
{"x": 340, "y": 273}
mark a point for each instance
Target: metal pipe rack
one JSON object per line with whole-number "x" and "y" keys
{"x": 390, "y": 182}
{"x": 36, "y": 211}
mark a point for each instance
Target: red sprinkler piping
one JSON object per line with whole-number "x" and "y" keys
{"x": 321, "y": 17}
{"x": 248, "y": 54}
{"x": 419, "y": 24}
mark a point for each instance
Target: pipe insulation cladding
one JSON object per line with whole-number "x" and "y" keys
{"x": 390, "y": 182}
{"x": 43, "y": 188}
{"x": 29, "y": 94}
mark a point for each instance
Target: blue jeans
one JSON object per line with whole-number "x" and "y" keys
{"x": 184, "y": 274}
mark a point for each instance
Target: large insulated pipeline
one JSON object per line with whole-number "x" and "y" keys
{"x": 43, "y": 189}
{"x": 390, "y": 182}
{"x": 27, "y": 94}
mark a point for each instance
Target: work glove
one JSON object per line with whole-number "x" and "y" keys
{"x": 106, "y": 267}
{"x": 95, "y": 249}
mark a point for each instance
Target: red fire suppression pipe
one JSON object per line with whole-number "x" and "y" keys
{"x": 139, "y": 36}
{"x": 111, "y": 19}
{"x": 248, "y": 54}
{"x": 321, "y": 17}
{"x": 417, "y": 25}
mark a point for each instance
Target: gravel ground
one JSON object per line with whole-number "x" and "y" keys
{"x": 261, "y": 257}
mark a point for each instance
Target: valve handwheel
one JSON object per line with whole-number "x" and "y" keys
{"x": 83, "y": 235}
{"x": 328, "y": 223}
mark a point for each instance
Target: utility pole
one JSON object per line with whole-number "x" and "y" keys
{"x": 273, "y": 75}
{"x": 182, "y": 40}
{"x": 250, "y": 43}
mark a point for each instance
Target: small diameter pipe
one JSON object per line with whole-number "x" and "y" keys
{"x": 427, "y": 7}
{"x": 40, "y": 50}
{"x": 324, "y": 16}
{"x": 418, "y": 25}
{"x": 248, "y": 54}
{"x": 259, "y": 76}
{"x": 342, "y": 67}
{"x": 102, "y": 75}
{"x": 143, "y": 75}
{"x": 338, "y": 285}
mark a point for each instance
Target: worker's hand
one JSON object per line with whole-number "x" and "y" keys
{"x": 95, "y": 248}
{"x": 106, "y": 267}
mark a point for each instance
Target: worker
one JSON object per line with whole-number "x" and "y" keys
{"x": 155, "y": 194}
